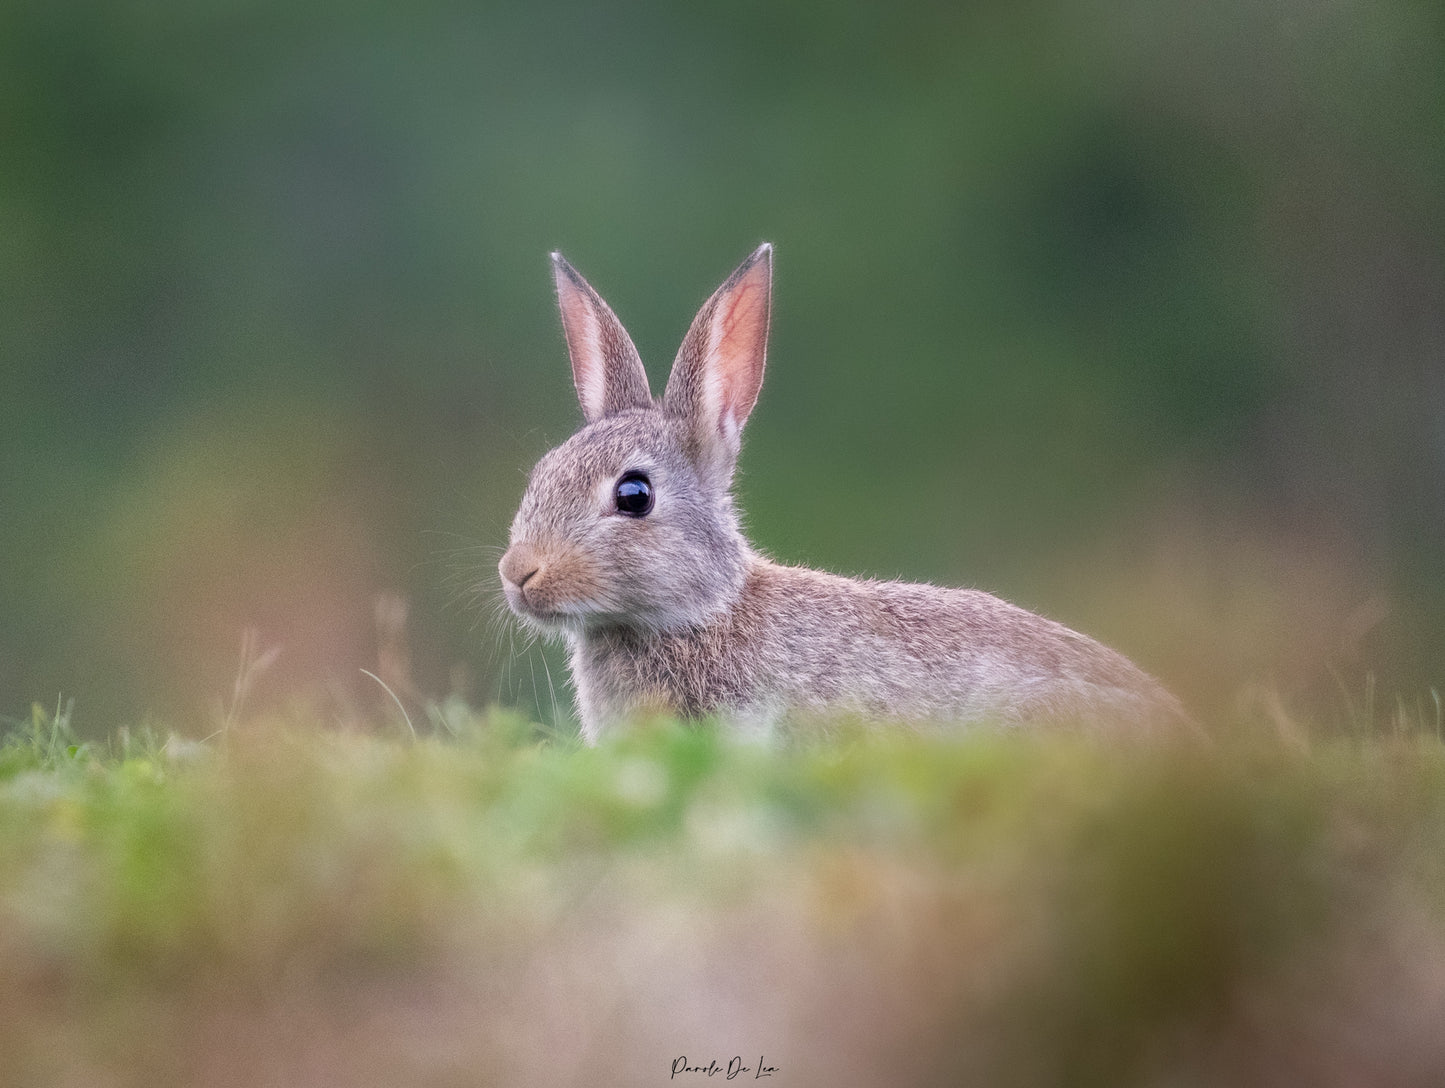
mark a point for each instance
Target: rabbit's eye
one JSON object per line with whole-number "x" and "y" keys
{"x": 634, "y": 495}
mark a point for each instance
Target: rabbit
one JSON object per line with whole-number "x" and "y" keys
{"x": 628, "y": 545}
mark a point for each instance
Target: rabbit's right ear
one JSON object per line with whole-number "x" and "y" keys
{"x": 606, "y": 368}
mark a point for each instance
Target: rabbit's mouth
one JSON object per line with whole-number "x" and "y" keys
{"x": 529, "y": 606}
{"x": 560, "y": 619}
{"x": 533, "y": 612}
{"x": 571, "y": 618}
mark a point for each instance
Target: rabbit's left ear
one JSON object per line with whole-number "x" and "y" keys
{"x": 719, "y": 368}
{"x": 606, "y": 368}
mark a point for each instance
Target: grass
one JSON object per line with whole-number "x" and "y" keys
{"x": 485, "y": 905}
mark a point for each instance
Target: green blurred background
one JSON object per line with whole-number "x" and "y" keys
{"x": 1133, "y": 313}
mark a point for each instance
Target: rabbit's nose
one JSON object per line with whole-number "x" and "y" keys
{"x": 518, "y": 565}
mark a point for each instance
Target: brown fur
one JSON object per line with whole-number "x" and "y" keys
{"x": 799, "y": 641}
{"x": 675, "y": 611}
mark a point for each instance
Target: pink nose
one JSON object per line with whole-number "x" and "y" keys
{"x": 519, "y": 565}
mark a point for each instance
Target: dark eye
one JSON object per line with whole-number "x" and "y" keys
{"x": 634, "y": 495}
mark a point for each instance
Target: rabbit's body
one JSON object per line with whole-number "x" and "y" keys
{"x": 627, "y": 543}
{"x": 804, "y": 643}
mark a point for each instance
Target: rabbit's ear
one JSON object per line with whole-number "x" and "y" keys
{"x": 606, "y": 368}
{"x": 719, "y": 368}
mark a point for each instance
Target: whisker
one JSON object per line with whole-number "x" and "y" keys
{"x": 552, "y": 691}
{"x": 536, "y": 696}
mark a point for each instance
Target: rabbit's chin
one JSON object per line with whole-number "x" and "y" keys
{"x": 570, "y": 621}
{"x": 578, "y": 621}
{"x": 547, "y": 623}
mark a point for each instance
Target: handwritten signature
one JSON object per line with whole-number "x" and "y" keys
{"x": 734, "y": 1068}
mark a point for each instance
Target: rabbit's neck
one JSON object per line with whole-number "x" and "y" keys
{"x": 622, "y": 671}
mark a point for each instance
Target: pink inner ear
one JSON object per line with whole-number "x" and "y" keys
{"x": 739, "y": 345}
{"x": 742, "y": 308}
{"x": 578, "y": 318}
{"x": 580, "y": 322}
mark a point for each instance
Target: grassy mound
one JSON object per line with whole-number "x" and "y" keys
{"x": 305, "y": 907}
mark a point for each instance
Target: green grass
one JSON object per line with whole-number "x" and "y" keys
{"x": 484, "y": 905}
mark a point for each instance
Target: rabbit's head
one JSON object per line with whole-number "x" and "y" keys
{"x": 630, "y": 522}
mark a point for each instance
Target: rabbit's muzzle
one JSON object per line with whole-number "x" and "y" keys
{"x": 547, "y": 585}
